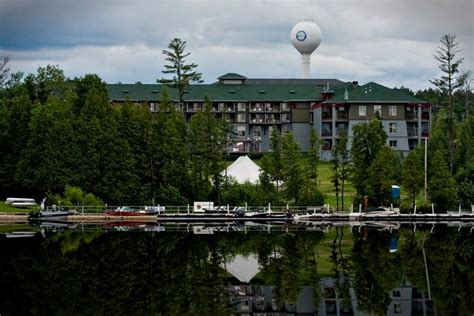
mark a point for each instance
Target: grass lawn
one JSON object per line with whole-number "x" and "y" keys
{"x": 327, "y": 188}
{"x": 4, "y": 207}
{"x": 324, "y": 249}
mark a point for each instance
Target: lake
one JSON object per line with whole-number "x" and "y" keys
{"x": 133, "y": 268}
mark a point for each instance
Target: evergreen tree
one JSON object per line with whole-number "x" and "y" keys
{"x": 291, "y": 167}
{"x": 381, "y": 177}
{"x": 4, "y": 138}
{"x": 50, "y": 158}
{"x": 368, "y": 139}
{"x": 183, "y": 74}
{"x": 441, "y": 185}
{"x": 448, "y": 83}
{"x": 412, "y": 176}
{"x": 276, "y": 149}
{"x": 170, "y": 155}
{"x": 207, "y": 141}
{"x": 267, "y": 185}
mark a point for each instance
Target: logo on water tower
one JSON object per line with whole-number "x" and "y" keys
{"x": 301, "y": 36}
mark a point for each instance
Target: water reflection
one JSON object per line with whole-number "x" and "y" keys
{"x": 219, "y": 269}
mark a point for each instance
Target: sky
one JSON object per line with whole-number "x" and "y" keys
{"x": 391, "y": 42}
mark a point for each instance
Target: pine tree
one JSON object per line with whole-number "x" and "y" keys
{"x": 183, "y": 74}
{"x": 449, "y": 83}
{"x": 313, "y": 156}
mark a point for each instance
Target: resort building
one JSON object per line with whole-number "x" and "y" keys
{"x": 255, "y": 107}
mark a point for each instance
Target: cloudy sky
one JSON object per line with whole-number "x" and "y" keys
{"x": 390, "y": 42}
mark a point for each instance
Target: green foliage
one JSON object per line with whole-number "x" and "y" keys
{"x": 75, "y": 196}
{"x": 291, "y": 171}
{"x": 381, "y": 177}
{"x": 368, "y": 139}
{"x": 237, "y": 194}
{"x": 183, "y": 74}
{"x": 441, "y": 184}
{"x": 412, "y": 176}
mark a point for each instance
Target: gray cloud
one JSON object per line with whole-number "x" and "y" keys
{"x": 391, "y": 42}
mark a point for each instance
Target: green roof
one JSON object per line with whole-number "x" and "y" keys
{"x": 232, "y": 76}
{"x": 216, "y": 92}
{"x": 370, "y": 93}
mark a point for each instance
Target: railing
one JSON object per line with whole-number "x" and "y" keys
{"x": 342, "y": 116}
{"x": 326, "y": 133}
{"x": 326, "y": 116}
{"x": 412, "y": 133}
{"x": 425, "y": 133}
{"x": 425, "y": 115}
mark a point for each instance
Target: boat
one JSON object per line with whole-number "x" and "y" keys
{"x": 20, "y": 234}
{"x": 128, "y": 211}
{"x": 12, "y": 200}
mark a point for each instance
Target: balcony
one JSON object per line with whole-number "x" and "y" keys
{"x": 343, "y": 116}
{"x": 411, "y": 116}
{"x": 425, "y": 115}
{"x": 326, "y": 116}
{"x": 425, "y": 133}
{"x": 412, "y": 132}
{"x": 326, "y": 133}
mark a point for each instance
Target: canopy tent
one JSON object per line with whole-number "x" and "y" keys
{"x": 243, "y": 170}
{"x": 244, "y": 268}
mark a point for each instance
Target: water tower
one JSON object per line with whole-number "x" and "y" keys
{"x": 306, "y": 37}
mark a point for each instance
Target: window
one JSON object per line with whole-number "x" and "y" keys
{"x": 241, "y": 118}
{"x": 241, "y": 106}
{"x": 241, "y": 131}
{"x": 257, "y": 131}
{"x": 285, "y": 117}
{"x": 378, "y": 109}
{"x": 284, "y": 106}
{"x": 396, "y": 293}
{"x": 397, "y": 308}
{"x": 393, "y": 144}
{"x": 392, "y": 110}
{"x": 362, "y": 110}
{"x": 392, "y": 128}
{"x": 153, "y": 106}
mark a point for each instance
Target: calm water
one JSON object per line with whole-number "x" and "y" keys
{"x": 255, "y": 269}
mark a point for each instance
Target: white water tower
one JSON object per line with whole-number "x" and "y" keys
{"x": 306, "y": 37}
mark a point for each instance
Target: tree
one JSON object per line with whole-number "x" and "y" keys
{"x": 465, "y": 82}
{"x": 291, "y": 168}
{"x": 170, "y": 158}
{"x": 4, "y": 69}
{"x": 448, "y": 82}
{"x": 441, "y": 185}
{"x": 184, "y": 74}
{"x": 207, "y": 139}
{"x": 340, "y": 159}
{"x": 381, "y": 176}
{"x": 313, "y": 156}
{"x": 368, "y": 139}
{"x": 277, "y": 165}
{"x": 412, "y": 175}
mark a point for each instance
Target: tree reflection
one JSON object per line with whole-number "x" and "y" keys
{"x": 185, "y": 274}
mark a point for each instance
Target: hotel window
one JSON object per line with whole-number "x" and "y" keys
{"x": 362, "y": 110}
{"x": 397, "y": 308}
{"x": 241, "y": 106}
{"x": 284, "y": 106}
{"x": 153, "y": 106}
{"x": 241, "y": 131}
{"x": 392, "y": 110}
{"x": 257, "y": 131}
{"x": 378, "y": 109}
{"x": 393, "y": 144}
{"x": 392, "y": 128}
{"x": 241, "y": 118}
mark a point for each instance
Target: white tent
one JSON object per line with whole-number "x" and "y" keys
{"x": 243, "y": 268}
{"x": 243, "y": 170}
